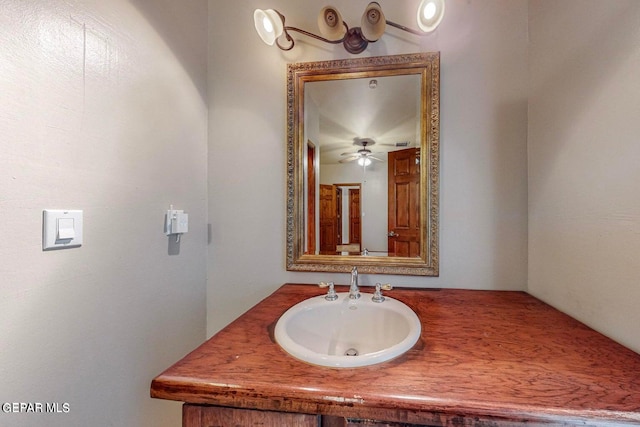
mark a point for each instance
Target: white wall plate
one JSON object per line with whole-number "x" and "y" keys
{"x": 61, "y": 229}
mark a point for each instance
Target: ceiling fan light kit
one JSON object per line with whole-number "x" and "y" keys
{"x": 364, "y": 161}
{"x": 364, "y": 156}
{"x": 270, "y": 26}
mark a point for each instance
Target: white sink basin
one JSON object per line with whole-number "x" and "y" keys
{"x": 347, "y": 333}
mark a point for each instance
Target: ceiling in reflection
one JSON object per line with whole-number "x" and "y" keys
{"x": 388, "y": 113}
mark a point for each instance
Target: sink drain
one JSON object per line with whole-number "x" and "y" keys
{"x": 351, "y": 352}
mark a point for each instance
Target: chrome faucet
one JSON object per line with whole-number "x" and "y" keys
{"x": 354, "y": 292}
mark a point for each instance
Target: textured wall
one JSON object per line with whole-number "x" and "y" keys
{"x": 584, "y": 162}
{"x": 483, "y": 234}
{"x": 103, "y": 109}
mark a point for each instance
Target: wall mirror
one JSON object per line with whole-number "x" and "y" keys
{"x": 363, "y": 164}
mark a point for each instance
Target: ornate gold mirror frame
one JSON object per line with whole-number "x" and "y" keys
{"x": 427, "y": 66}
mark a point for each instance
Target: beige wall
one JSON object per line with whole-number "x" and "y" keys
{"x": 103, "y": 109}
{"x": 483, "y": 237}
{"x": 584, "y": 162}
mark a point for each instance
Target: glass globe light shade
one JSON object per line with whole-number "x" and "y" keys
{"x": 363, "y": 161}
{"x": 268, "y": 24}
{"x": 430, "y": 14}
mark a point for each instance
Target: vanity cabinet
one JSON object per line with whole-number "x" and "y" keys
{"x": 484, "y": 358}
{"x": 216, "y": 416}
{"x": 350, "y": 422}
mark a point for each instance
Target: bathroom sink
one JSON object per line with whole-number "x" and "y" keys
{"x": 347, "y": 333}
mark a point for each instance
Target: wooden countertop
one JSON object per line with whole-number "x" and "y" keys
{"x": 494, "y": 356}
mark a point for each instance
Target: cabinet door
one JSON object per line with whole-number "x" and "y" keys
{"x": 370, "y": 423}
{"x": 330, "y": 421}
{"x": 216, "y": 416}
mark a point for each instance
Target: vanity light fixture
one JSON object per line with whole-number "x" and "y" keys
{"x": 270, "y": 26}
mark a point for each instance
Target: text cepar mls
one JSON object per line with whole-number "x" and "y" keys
{"x": 36, "y": 408}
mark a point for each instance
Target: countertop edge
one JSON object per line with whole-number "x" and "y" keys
{"x": 229, "y": 395}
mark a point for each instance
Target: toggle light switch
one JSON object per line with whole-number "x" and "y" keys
{"x": 61, "y": 229}
{"x": 66, "y": 229}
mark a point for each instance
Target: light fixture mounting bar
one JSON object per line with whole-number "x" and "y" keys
{"x": 270, "y": 25}
{"x": 407, "y": 29}
{"x": 306, "y": 33}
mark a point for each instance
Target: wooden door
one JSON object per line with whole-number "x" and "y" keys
{"x": 338, "y": 199}
{"x": 311, "y": 199}
{"x": 404, "y": 203}
{"x": 355, "y": 229}
{"x": 328, "y": 220}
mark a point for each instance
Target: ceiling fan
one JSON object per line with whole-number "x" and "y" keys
{"x": 364, "y": 156}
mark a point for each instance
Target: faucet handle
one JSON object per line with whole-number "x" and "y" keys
{"x": 331, "y": 294}
{"x": 377, "y": 296}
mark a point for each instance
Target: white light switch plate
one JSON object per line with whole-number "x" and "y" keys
{"x": 61, "y": 229}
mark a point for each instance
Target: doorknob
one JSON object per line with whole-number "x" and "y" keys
{"x": 393, "y": 234}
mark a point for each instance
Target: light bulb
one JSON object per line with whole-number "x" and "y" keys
{"x": 429, "y": 11}
{"x": 430, "y": 14}
{"x": 266, "y": 23}
{"x": 363, "y": 161}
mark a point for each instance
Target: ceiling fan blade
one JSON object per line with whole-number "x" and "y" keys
{"x": 375, "y": 158}
{"x": 350, "y": 159}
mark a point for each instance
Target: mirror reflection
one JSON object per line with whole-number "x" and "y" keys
{"x": 363, "y": 165}
{"x": 353, "y": 125}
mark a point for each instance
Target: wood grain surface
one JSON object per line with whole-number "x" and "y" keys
{"x": 483, "y": 355}
{"x": 216, "y": 416}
